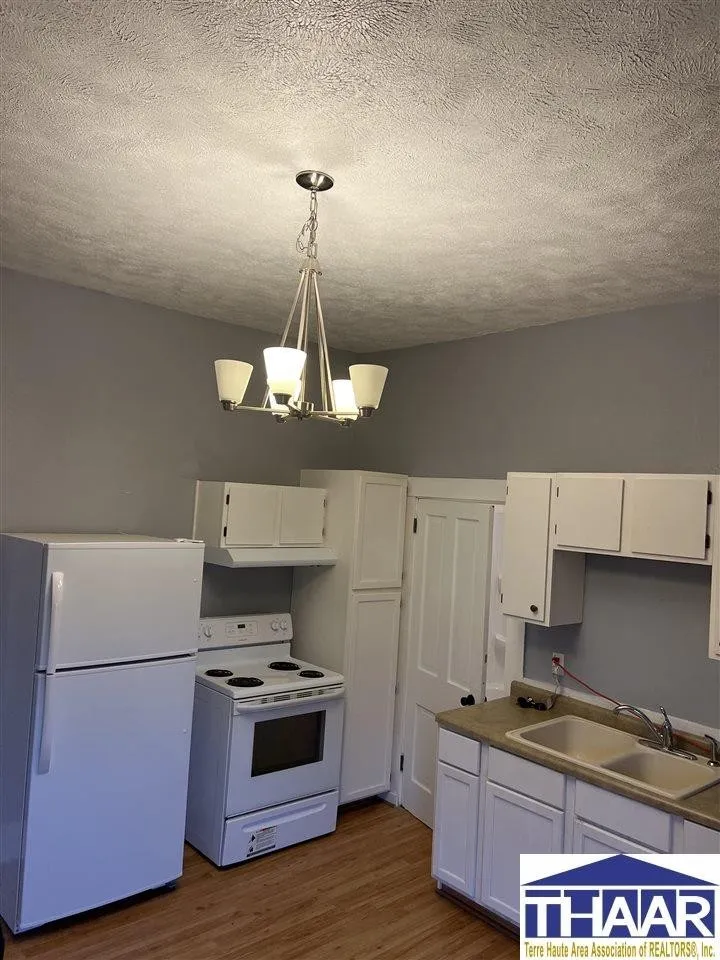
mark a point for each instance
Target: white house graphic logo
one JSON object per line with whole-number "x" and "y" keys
{"x": 621, "y": 900}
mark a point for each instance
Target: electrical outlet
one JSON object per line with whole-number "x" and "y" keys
{"x": 556, "y": 671}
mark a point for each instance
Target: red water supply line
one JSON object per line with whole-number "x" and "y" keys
{"x": 582, "y": 683}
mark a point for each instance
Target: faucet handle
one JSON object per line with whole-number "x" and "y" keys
{"x": 714, "y": 760}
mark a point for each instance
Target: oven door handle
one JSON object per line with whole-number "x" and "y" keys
{"x": 336, "y": 694}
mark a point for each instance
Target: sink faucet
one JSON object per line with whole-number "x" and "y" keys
{"x": 658, "y": 738}
{"x": 662, "y": 739}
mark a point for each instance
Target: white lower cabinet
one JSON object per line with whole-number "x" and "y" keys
{"x": 587, "y": 838}
{"x": 513, "y": 824}
{"x": 699, "y": 839}
{"x": 501, "y": 806}
{"x": 456, "y": 828}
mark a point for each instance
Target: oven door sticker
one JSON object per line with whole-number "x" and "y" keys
{"x": 262, "y": 840}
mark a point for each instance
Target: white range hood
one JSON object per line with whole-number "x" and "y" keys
{"x": 270, "y": 556}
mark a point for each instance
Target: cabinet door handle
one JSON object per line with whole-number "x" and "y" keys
{"x": 467, "y": 701}
{"x": 533, "y": 608}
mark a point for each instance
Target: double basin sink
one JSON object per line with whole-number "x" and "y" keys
{"x": 618, "y": 755}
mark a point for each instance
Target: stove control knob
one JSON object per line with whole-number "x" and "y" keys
{"x": 283, "y": 624}
{"x": 275, "y": 625}
{"x": 207, "y": 631}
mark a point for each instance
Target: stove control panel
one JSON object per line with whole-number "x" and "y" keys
{"x": 241, "y": 631}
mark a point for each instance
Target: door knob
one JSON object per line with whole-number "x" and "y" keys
{"x": 533, "y": 608}
{"x": 467, "y": 701}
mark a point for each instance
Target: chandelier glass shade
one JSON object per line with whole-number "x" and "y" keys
{"x": 286, "y": 397}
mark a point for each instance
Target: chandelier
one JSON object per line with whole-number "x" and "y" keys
{"x": 342, "y": 401}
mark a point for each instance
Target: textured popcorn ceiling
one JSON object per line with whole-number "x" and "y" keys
{"x": 498, "y": 163}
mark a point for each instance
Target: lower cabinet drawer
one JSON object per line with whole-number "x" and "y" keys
{"x": 628, "y": 818}
{"x": 526, "y": 777}
{"x": 460, "y": 752}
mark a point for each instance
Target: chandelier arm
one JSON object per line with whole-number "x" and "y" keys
{"x": 326, "y": 417}
{"x": 324, "y": 353}
{"x": 306, "y": 332}
{"x": 303, "y": 326}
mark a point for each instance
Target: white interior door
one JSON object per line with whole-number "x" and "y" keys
{"x": 447, "y": 636}
{"x": 107, "y": 792}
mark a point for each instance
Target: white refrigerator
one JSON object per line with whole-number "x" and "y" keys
{"x": 98, "y": 643}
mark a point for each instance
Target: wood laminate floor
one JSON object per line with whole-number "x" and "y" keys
{"x": 362, "y": 893}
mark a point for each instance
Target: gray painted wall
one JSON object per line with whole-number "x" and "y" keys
{"x": 638, "y": 391}
{"x": 110, "y": 413}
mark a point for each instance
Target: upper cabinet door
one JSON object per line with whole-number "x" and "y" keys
{"x": 588, "y": 511}
{"x": 525, "y": 546}
{"x": 668, "y": 517}
{"x": 302, "y": 516}
{"x": 252, "y": 515}
{"x": 380, "y": 533}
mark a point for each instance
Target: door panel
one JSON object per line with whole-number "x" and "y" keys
{"x": 512, "y": 825}
{"x": 370, "y": 675}
{"x": 108, "y": 819}
{"x": 252, "y": 516}
{"x": 669, "y": 516}
{"x": 447, "y": 632}
{"x": 588, "y": 512}
{"x": 525, "y": 546}
{"x": 302, "y": 515}
{"x": 588, "y": 838}
{"x": 123, "y": 603}
{"x": 456, "y": 825}
{"x": 380, "y": 534}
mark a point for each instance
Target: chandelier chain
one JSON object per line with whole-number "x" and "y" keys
{"x": 309, "y": 230}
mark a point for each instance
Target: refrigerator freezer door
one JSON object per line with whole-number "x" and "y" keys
{"x": 119, "y": 604}
{"x": 107, "y": 820}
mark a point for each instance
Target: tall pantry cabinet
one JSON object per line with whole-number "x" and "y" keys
{"x": 347, "y": 617}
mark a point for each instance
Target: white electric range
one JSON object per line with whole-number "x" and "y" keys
{"x": 266, "y": 741}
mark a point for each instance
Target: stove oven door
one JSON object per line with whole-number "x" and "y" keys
{"x": 284, "y": 751}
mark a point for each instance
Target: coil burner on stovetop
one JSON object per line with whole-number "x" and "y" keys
{"x": 283, "y": 665}
{"x": 218, "y": 673}
{"x": 311, "y": 674}
{"x": 245, "y": 682}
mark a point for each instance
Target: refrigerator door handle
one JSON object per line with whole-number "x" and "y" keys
{"x": 45, "y": 753}
{"x": 57, "y": 586}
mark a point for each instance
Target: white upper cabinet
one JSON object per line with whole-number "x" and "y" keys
{"x": 380, "y": 532}
{"x": 252, "y": 515}
{"x": 257, "y": 515}
{"x": 537, "y": 585}
{"x": 714, "y": 648}
{"x": 668, "y": 517}
{"x": 588, "y": 511}
{"x": 525, "y": 551}
{"x": 302, "y": 516}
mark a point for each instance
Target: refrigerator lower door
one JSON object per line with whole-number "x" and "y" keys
{"x": 107, "y": 819}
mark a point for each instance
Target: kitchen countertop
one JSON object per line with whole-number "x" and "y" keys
{"x": 490, "y": 722}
